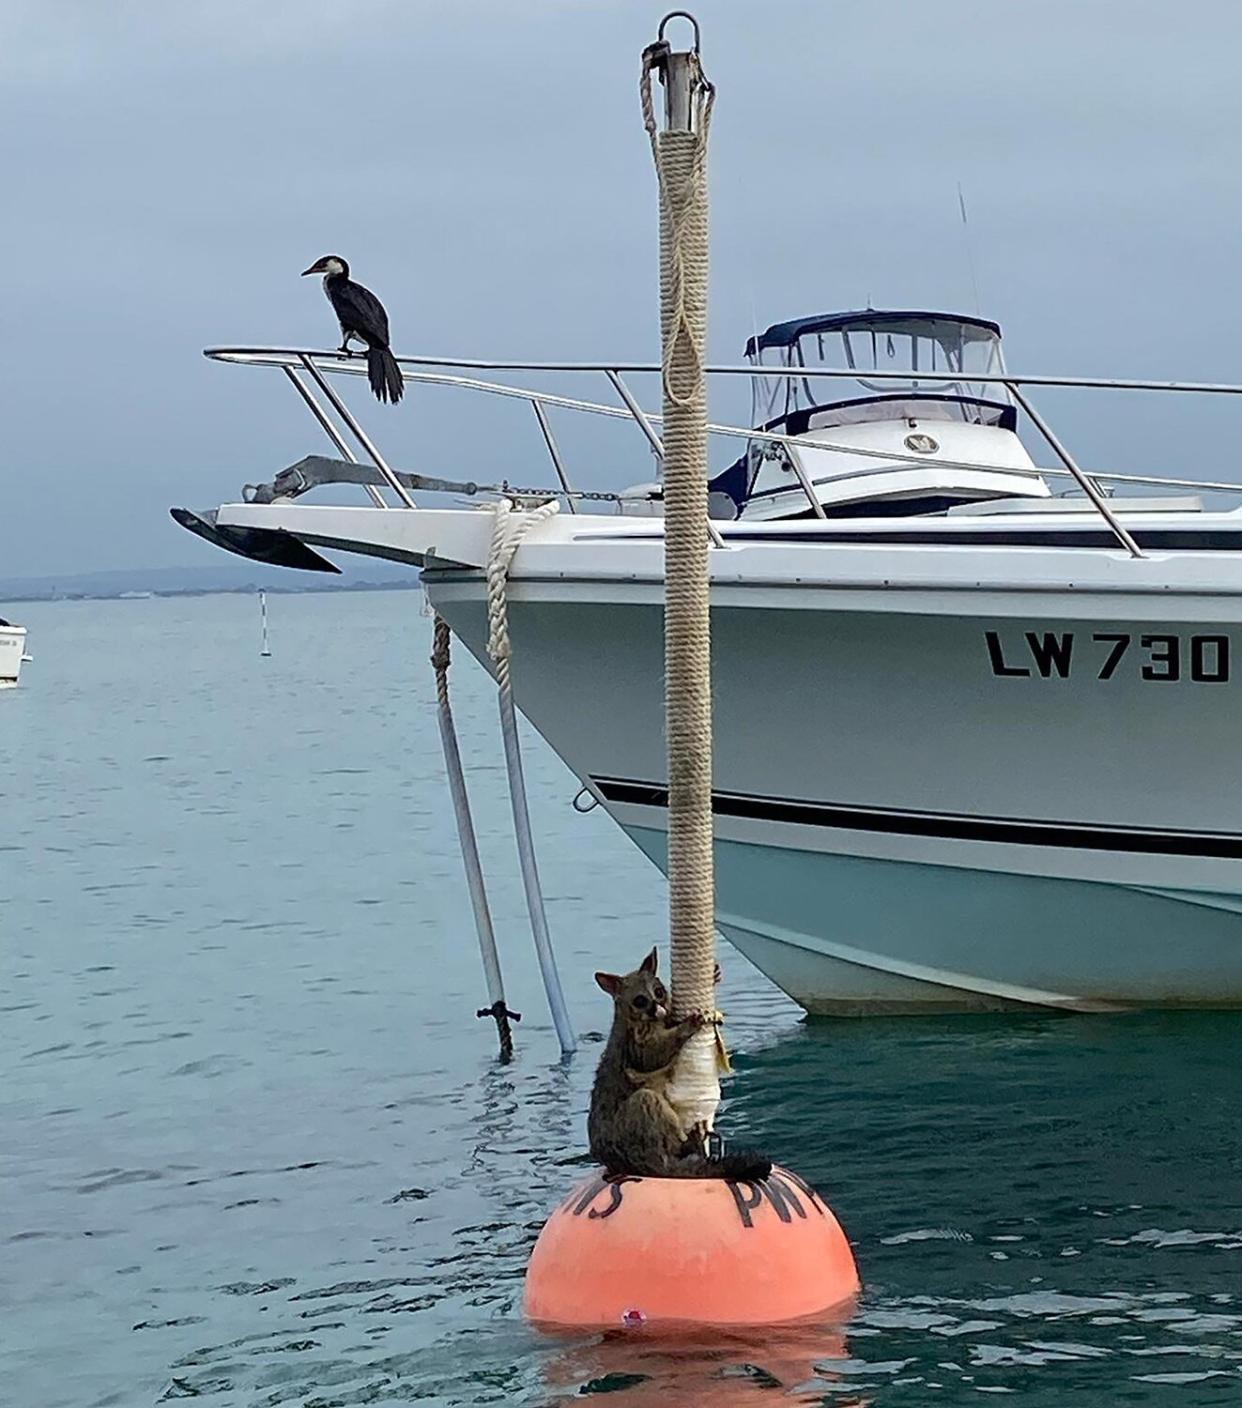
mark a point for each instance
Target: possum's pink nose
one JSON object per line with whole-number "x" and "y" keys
{"x": 660, "y": 1012}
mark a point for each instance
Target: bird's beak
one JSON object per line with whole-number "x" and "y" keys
{"x": 314, "y": 269}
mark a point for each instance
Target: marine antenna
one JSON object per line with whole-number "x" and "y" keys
{"x": 970, "y": 254}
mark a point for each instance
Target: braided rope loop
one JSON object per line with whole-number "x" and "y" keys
{"x": 508, "y": 530}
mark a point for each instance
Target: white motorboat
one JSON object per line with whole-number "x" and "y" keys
{"x": 12, "y": 653}
{"x": 976, "y": 741}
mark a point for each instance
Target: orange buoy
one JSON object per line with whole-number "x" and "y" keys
{"x": 628, "y": 1251}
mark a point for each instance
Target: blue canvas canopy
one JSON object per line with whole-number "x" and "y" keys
{"x": 876, "y": 319}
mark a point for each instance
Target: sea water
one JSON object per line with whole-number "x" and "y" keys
{"x": 255, "y": 1148}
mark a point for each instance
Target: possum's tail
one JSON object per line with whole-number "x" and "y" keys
{"x": 742, "y": 1166}
{"x": 384, "y": 374}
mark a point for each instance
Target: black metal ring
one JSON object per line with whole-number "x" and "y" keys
{"x": 681, "y": 15}
{"x": 582, "y": 811}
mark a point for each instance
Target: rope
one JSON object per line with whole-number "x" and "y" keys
{"x": 508, "y": 530}
{"x": 681, "y": 170}
{"x": 440, "y": 660}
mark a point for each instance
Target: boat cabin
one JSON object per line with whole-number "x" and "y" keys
{"x": 901, "y": 427}
{"x": 939, "y": 350}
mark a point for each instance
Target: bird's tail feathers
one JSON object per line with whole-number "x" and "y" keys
{"x": 384, "y": 375}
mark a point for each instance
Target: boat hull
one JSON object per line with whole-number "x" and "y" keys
{"x": 927, "y": 808}
{"x": 12, "y": 654}
{"x": 846, "y": 935}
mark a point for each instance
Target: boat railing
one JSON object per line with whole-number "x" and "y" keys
{"x": 303, "y": 366}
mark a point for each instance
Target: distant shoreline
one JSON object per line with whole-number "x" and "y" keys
{"x": 43, "y": 594}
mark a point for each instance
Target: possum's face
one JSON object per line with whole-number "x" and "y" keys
{"x": 639, "y": 996}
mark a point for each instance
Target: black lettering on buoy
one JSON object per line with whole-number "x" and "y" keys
{"x": 596, "y": 1185}
{"x": 594, "y": 1189}
{"x": 775, "y": 1197}
{"x": 615, "y": 1190}
{"x": 744, "y": 1205}
{"x": 780, "y": 1193}
{"x": 813, "y": 1197}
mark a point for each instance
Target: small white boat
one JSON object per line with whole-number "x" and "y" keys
{"x": 977, "y": 744}
{"x": 12, "y": 653}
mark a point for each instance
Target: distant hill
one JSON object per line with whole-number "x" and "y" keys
{"x": 228, "y": 575}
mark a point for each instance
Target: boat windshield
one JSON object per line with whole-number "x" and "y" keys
{"x": 941, "y": 351}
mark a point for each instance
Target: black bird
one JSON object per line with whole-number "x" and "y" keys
{"x": 361, "y": 316}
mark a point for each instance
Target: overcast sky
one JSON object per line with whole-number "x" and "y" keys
{"x": 170, "y": 168}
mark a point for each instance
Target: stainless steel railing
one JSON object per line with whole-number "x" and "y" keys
{"x": 297, "y": 363}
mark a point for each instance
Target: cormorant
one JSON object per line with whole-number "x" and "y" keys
{"x": 361, "y": 316}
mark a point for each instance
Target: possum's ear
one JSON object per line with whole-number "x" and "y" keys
{"x": 649, "y": 963}
{"x": 610, "y": 982}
